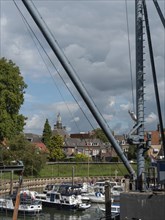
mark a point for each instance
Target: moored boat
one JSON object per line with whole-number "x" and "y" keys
{"x": 83, "y": 206}
{"x": 27, "y": 205}
{"x": 96, "y": 197}
{"x": 116, "y": 190}
{"x": 67, "y": 197}
{"x": 100, "y": 186}
{"x": 115, "y": 209}
{"x": 51, "y": 187}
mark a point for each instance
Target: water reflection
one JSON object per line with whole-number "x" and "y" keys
{"x": 52, "y": 214}
{"x": 92, "y": 213}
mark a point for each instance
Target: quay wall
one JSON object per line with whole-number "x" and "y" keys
{"x": 142, "y": 205}
{"x": 41, "y": 182}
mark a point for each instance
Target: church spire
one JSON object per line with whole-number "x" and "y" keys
{"x": 59, "y": 118}
{"x": 58, "y": 124}
{"x": 59, "y": 129}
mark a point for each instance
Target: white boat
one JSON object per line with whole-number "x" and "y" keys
{"x": 94, "y": 197}
{"x": 41, "y": 196}
{"x": 83, "y": 206}
{"x": 97, "y": 197}
{"x": 56, "y": 200}
{"x": 115, "y": 209}
{"x": 116, "y": 190}
{"x": 96, "y": 193}
{"x": 100, "y": 186}
{"x": 85, "y": 198}
{"x": 28, "y": 205}
{"x": 66, "y": 197}
{"x": 51, "y": 187}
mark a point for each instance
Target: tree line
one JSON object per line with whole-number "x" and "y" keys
{"x": 14, "y": 146}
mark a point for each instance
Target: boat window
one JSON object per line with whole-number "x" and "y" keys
{"x": 113, "y": 184}
{"x": 52, "y": 197}
{"x": 48, "y": 195}
{"x": 113, "y": 209}
{"x": 57, "y": 196}
{"x": 49, "y": 187}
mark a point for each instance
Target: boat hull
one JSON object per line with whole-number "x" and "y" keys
{"x": 27, "y": 207}
{"x": 83, "y": 207}
{"x": 58, "y": 205}
{"x": 21, "y": 212}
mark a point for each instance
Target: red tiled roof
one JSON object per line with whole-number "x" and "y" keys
{"x": 41, "y": 146}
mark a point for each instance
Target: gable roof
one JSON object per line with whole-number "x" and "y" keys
{"x": 37, "y": 141}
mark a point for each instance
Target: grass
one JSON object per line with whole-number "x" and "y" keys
{"x": 83, "y": 170}
{"x": 80, "y": 170}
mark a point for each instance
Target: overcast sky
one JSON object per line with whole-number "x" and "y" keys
{"x": 94, "y": 37}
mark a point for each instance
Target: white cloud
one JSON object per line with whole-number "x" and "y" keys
{"x": 29, "y": 97}
{"x": 152, "y": 117}
{"x": 112, "y": 103}
{"x": 108, "y": 117}
{"x": 125, "y": 106}
{"x": 76, "y": 119}
{"x": 34, "y": 123}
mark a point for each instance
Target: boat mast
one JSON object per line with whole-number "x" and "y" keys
{"x": 79, "y": 86}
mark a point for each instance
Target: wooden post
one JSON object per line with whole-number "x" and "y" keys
{"x": 17, "y": 202}
{"x": 72, "y": 177}
{"x": 11, "y": 182}
{"x": 15, "y": 213}
{"x": 58, "y": 170}
{"x": 107, "y": 200}
{"x": 126, "y": 185}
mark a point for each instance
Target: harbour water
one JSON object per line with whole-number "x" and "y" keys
{"x": 93, "y": 213}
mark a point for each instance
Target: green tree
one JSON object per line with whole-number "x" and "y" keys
{"x": 12, "y": 92}
{"x": 47, "y": 133}
{"x": 21, "y": 149}
{"x": 100, "y": 134}
{"x": 81, "y": 157}
{"x": 132, "y": 152}
{"x": 55, "y": 148}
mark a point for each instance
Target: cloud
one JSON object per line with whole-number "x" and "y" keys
{"x": 34, "y": 123}
{"x": 125, "y": 106}
{"x": 76, "y": 119}
{"x": 93, "y": 35}
{"x": 29, "y": 97}
{"x": 152, "y": 117}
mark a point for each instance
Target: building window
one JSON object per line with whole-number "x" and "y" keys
{"x": 123, "y": 142}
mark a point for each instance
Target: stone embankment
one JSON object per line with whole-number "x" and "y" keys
{"x": 5, "y": 185}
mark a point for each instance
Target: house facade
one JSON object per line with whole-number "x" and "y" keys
{"x": 86, "y": 143}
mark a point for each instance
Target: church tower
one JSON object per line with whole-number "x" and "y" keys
{"x": 59, "y": 128}
{"x": 58, "y": 124}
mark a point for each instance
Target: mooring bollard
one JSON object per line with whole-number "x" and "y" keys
{"x": 107, "y": 200}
